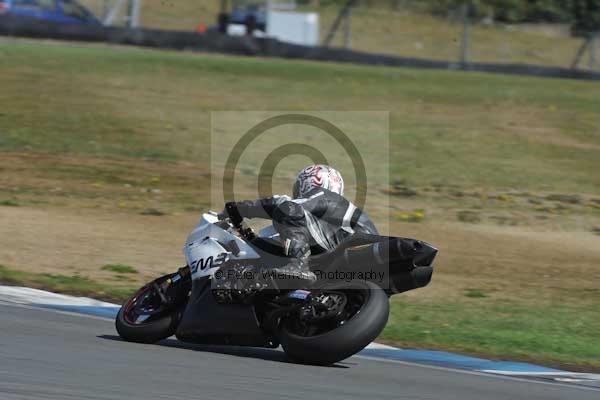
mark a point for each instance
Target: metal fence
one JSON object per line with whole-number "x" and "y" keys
{"x": 399, "y": 31}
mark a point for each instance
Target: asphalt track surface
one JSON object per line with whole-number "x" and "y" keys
{"x": 46, "y": 354}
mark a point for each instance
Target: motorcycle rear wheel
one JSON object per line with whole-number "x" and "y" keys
{"x": 349, "y": 337}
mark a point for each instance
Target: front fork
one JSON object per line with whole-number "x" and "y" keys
{"x": 176, "y": 288}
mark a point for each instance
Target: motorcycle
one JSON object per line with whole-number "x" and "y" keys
{"x": 321, "y": 323}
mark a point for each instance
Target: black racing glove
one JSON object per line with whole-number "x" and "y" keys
{"x": 232, "y": 211}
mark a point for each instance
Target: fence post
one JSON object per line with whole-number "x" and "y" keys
{"x": 347, "y": 28}
{"x": 580, "y": 53}
{"x": 466, "y": 34}
{"x": 593, "y": 50}
{"x": 337, "y": 21}
{"x": 111, "y": 16}
{"x": 133, "y": 13}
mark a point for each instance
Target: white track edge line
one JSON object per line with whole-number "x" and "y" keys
{"x": 477, "y": 373}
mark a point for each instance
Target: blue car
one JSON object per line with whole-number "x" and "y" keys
{"x": 57, "y": 11}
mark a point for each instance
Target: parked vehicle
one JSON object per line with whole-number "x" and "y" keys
{"x": 321, "y": 324}
{"x": 243, "y": 17}
{"x": 253, "y": 13}
{"x": 56, "y": 11}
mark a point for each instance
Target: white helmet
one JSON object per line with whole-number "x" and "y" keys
{"x": 318, "y": 176}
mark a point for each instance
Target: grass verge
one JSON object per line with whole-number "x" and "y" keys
{"x": 75, "y": 285}
{"x": 475, "y": 130}
{"x": 552, "y": 333}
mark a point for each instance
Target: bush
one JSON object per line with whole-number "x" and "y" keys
{"x": 550, "y": 10}
{"x": 586, "y": 14}
{"x": 511, "y": 10}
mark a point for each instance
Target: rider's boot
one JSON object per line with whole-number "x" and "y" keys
{"x": 297, "y": 273}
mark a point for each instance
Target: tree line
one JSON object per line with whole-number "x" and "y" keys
{"x": 583, "y": 15}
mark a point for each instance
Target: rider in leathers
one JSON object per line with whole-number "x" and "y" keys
{"x": 315, "y": 220}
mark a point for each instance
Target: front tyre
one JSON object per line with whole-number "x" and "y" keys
{"x": 367, "y": 310}
{"x": 145, "y": 319}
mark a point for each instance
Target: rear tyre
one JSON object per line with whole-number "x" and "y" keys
{"x": 144, "y": 319}
{"x": 350, "y": 337}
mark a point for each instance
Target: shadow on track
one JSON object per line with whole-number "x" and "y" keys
{"x": 237, "y": 351}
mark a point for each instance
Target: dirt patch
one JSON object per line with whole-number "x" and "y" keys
{"x": 512, "y": 262}
{"x": 82, "y": 241}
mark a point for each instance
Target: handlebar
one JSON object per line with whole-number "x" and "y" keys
{"x": 246, "y": 233}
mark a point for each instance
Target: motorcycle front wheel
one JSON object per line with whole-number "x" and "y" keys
{"x": 144, "y": 318}
{"x": 364, "y": 316}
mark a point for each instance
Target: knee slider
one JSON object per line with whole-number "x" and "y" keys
{"x": 296, "y": 248}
